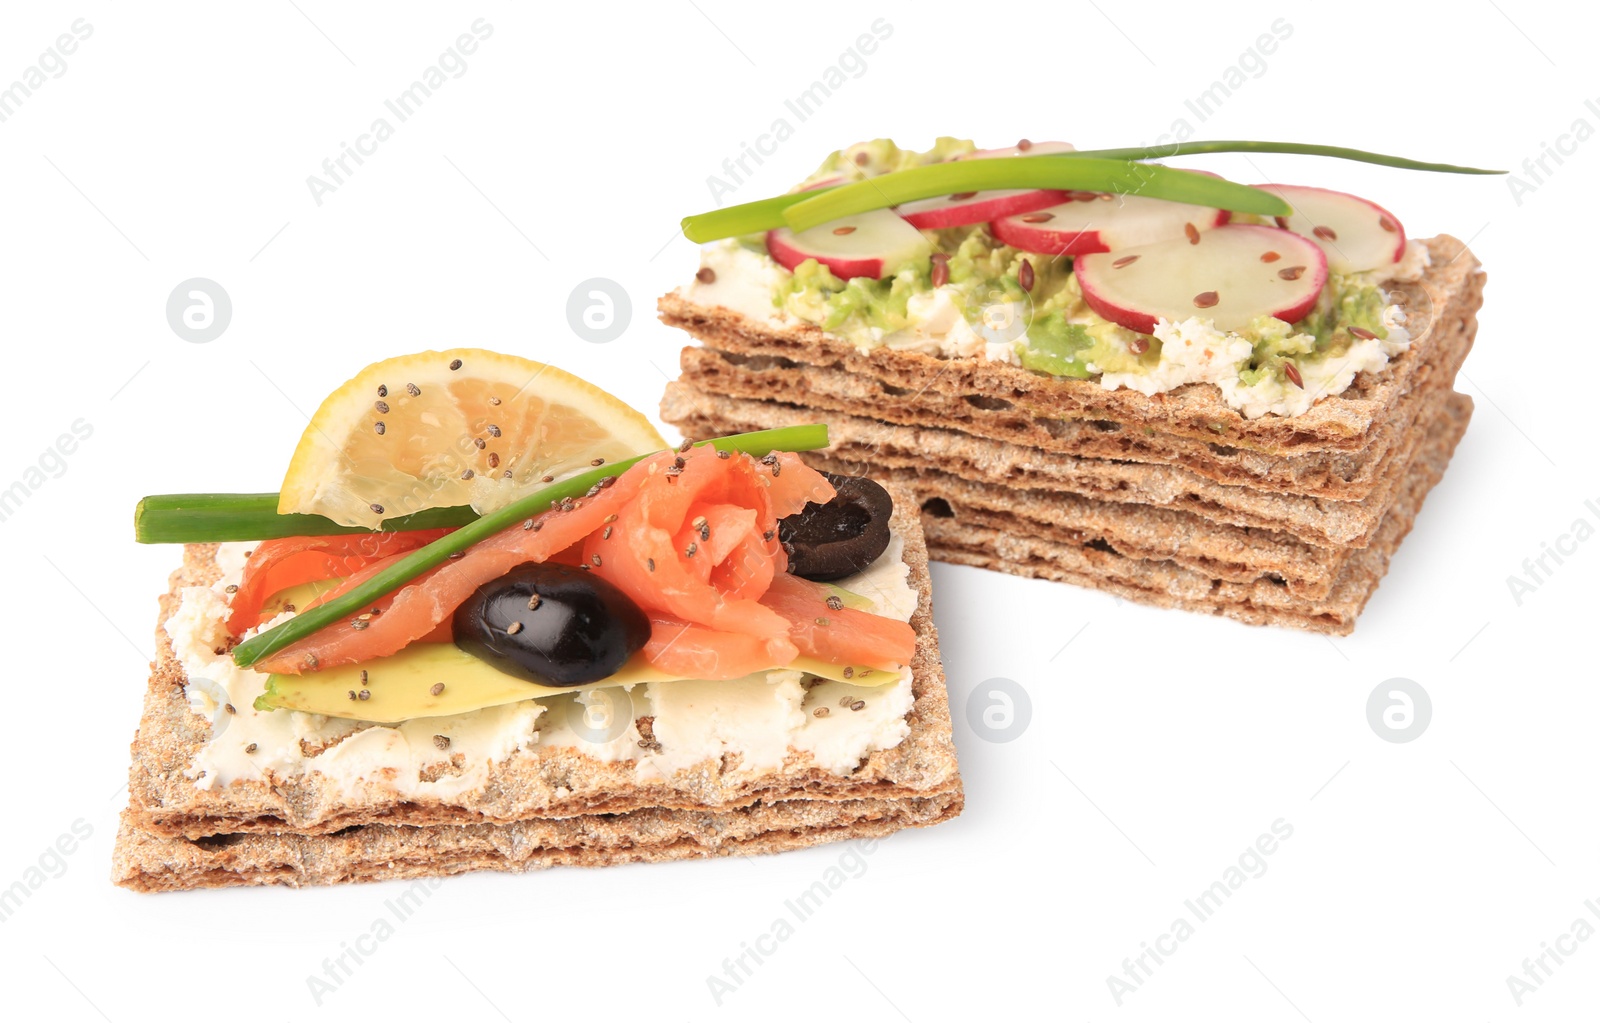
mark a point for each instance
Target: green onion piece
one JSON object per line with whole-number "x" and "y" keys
{"x": 214, "y": 518}
{"x": 793, "y": 438}
{"x": 1064, "y": 171}
{"x": 745, "y": 218}
{"x": 1299, "y": 148}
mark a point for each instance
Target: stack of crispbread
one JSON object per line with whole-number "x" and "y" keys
{"x": 540, "y": 807}
{"x": 1174, "y": 499}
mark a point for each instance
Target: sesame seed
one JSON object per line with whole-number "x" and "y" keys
{"x": 513, "y": 628}
{"x": 358, "y": 624}
{"x": 769, "y": 534}
{"x": 229, "y": 708}
{"x": 377, "y": 509}
{"x": 533, "y": 602}
{"x": 455, "y": 364}
{"x": 849, "y": 672}
{"x": 820, "y": 712}
{"x": 363, "y": 674}
{"x": 413, "y": 390}
{"x": 596, "y": 559}
{"x": 494, "y": 401}
{"x": 844, "y": 701}
{"x": 251, "y": 748}
{"x": 365, "y": 694}
{"x": 650, "y": 563}
{"x": 606, "y": 481}
{"x": 352, "y": 695}
{"x": 312, "y": 662}
{"x": 383, "y": 391}
{"x": 610, "y": 518}
{"x": 724, "y": 454}
{"x": 479, "y": 443}
{"x": 381, "y": 406}
{"x": 230, "y": 588}
{"x": 597, "y": 461}
{"x": 442, "y": 741}
{"x": 378, "y": 427}
{"x": 527, "y": 524}
{"x": 289, "y": 608}
{"x": 688, "y": 551}
{"x": 858, "y": 704}
{"x": 494, "y": 431}
{"x": 438, "y": 687}
{"x": 457, "y": 555}
{"x": 605, "y": 534}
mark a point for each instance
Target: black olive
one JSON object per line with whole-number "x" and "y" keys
{"x": 579, "y": 630}
{"x": 840, "y": 538}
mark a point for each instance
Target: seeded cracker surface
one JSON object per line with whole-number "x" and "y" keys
{"x": 1448, "y": 296}
{"x": 1286, "y": 521}
{"x": 915, "y": 783}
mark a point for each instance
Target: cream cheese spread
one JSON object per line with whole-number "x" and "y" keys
{"x": 752, "y": 724}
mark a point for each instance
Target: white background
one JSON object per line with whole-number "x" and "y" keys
{"x": 1419, "y": 875}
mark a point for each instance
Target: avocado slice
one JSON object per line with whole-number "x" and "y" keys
{"x": 400, "y": 687}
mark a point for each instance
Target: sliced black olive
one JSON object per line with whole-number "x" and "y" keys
{"x": 552, "y": 624}
{"x": 840, "y": 538}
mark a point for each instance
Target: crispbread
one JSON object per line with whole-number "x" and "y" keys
{"x": 1336, "y": 475}
{"x": 1166, "y": 584}
{"x": 380, "y": 852}
{"x": 1452, "y": 286}
{"x": 532, "y": 783}
{"x": 910, "y": 454}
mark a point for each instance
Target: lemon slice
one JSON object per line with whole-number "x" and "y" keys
{"x": 463, "y": 426}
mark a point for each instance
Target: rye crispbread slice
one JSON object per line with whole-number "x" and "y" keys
{"x": 1441, "y": 307}
{"x": 1169, "y": 585}
{"x": 148, "y": 862}
{"x": 532, "y": 783}
{"x": 1038, "y": 478}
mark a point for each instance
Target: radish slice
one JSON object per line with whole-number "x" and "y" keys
{"x": 976, "y": 207}
{"x": 1233, "y": 274}
{"x": 1100, "y": 222}
{"x": 863, "y": 245}
{"x": 1357, "y": 234}
{"x": 980, "y": 207}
